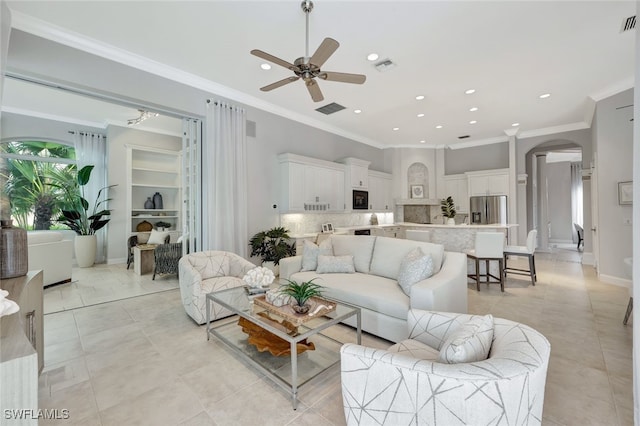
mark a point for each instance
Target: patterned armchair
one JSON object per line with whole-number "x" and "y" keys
{"x": 206, "y": 271}
{"x": 398, "y": 387}
{"x": 166, "y": 258}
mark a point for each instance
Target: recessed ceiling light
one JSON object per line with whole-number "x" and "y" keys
{"x": 473, "y": 122}
{"x": 357, "y": 111}
{"x": 423, "y": 141}
{"x": 421, "y": 115}
{"x": 515, "y": 124}
{"x": 265, "y": 66}
{"x": 473, "y": 109}
{"x": 438, "y": 126}
{"x": 545, "y": 95}
{"x": 372, "y": 57}
{"x": 419, "y": 97}
{"x": 396, "y": 128}
{"x": 470, "y": 91}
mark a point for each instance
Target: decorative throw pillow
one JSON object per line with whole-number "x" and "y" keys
{"x": 416, "y": 266}
{"x": 310, "y": 253}
{"x": 469, "y": 343}
{"x": 335, "y": 264}
{"x": 157, "y": 237}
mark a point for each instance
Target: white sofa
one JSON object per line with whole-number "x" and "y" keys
{"x": 206, "y": 271}
{"x": 49, "y": 251}
{"x": 373, "y": 287}
{"x": 407, "y": 385}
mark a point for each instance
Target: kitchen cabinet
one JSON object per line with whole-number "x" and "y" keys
{"x": 387, "y": 231}
{"x": 380, "y": 199}
{"x": 488, "y": 182}
{"x": 151, "y": 170}
{"x": 357, "y": 172}
{"x": 456, "y": 186}
{"x": 310, "y": 185}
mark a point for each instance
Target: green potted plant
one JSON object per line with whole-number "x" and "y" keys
{"x": 84, "y": 219}
{"x": 448, "y": 208}
{"x": 271, "y": 246}
{"x": 301, "y": 293}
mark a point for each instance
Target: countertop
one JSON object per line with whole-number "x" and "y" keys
{"x": 463, "y": 226}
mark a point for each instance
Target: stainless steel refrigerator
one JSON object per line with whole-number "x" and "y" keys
{"x": 490, "y": 209}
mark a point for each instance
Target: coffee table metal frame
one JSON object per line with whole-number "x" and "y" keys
{"x": 291, "y": 388}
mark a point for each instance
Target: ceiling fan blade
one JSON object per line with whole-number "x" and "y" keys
{"x": 326, "y": 49}
{"x": 279, "y": 83}
{"x": 314, "y": 90}
{"x": 275, "y": 60}
{"x": 343, "y": 77}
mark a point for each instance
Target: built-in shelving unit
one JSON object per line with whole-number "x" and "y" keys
{"x": 152, "y": 170}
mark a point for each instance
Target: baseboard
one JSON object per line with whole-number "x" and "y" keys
{"x": 116, "y": 260}
{"x": 588, "y": 259}
{"x": 621, "y": 282}
{"x": 557, "y": 241}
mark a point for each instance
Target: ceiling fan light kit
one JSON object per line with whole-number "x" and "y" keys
{"x": 308, "y": 68}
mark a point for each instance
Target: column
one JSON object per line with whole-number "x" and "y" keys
{"x": 543, "y": 202}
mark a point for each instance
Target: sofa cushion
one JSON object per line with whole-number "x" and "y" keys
{"x": 210, "y": 264}
{"x": 41, "y": 237}
{"x": 415, "y": 349}
{"x": 372, "y": 292}
{"x": 310, "y": 252}
{"x": 157, "y": 237}
{"x": 359, "y": 246}
{"x": 335, "y": 264}
{"x": 389, "y": 252}
{"x": 416, "y": 266}
{"x": 471, "y": 342}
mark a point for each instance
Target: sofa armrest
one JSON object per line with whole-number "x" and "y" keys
{"x": 190, "y": 278}
{"x": 445, "y": 291}
{"x": 239, "y": 266}
{"x": 289, "y": 266}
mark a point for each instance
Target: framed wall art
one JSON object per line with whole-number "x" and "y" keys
{"x": 417, "y": 191}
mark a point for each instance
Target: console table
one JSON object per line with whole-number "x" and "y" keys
{"x": 22, "y": 345}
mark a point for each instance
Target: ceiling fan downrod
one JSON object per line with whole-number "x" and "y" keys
{"x": 307, "y": 7}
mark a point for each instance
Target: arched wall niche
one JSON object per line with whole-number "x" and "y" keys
{"x": 418, "y": 174}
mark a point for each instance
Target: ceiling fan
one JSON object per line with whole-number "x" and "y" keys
{"x": 308, "y": 68}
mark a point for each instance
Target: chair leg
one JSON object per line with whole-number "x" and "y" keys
{"x": 533, "y": 262}
{"x": 501, "y": 271}
{"x": 532, "y": 270}
{"x": 504, "y": 257}
{"x": 629, "y": 309}
{"x": 154, "y": 274}
{"x": 478, "y": 274}
{"x": 486, "y": 271}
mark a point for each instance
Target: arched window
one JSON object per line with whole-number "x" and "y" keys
{"x": 39, "y": 175}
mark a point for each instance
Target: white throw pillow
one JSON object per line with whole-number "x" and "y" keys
{"x": 416, "y": 266}
{"x": 157, "y": 237}
{"x": 359, "y": 246}
{"x": 310, "y": 252}
{"x": 335, "y": 264}
{"x": 469, "y": 343}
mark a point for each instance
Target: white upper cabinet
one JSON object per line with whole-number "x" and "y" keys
{"x": 456, "y": 186}
{"x": 311, "y": 185}
{"x": 489, "y": 182}
{"x": 380, "y": 199}
{"x": 357, "y": 172}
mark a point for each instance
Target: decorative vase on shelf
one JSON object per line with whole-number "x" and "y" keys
{"x": 451, "y": 221}
{"x": 149, "y": 204}
{"x": 157, "y": 201}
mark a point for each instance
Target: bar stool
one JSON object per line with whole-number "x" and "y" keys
{"x": 489, "y": 247}
{"x": 526, "y": 251}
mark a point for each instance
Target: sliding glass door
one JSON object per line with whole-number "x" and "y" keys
{"x": 191, "y": 185}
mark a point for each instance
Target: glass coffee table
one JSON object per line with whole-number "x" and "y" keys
{"x": 290, "y": 371}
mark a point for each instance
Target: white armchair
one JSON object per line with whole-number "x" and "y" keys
{"x": 394, "y": 387}
{"x": 206, "y": 271}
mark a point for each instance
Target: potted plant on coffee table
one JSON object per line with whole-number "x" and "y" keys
{"x": 301, "y": 293}
{"x": 84, "y": 219}
{"x": 271, "y": 246}
{"x": 448, "y": 209}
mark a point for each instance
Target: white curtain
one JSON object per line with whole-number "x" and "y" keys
{"x": 91, "y": 149}
{"x": 576, "y": 196}
{"x": 224, "y": 179}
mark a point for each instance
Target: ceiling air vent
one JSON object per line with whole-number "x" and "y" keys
{"x": 384, "y": 65}
{"x": 330, "y": 108}
{"x": 463, "y": 137}
{"x": 628, "y": 24}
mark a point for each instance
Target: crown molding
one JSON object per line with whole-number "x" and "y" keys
{"x": 581, "y": 125}
{"x": 614, "y": 89}
{"x": 479, "y": 142}
{"x": 72, "y": 39}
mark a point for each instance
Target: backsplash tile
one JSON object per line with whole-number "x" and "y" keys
{"x": 304, "y": 223}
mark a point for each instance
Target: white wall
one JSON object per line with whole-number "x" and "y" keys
{"x": 560, "y": 201}
{"x": 485, "y": 157}
{"x": 117, "y": 138}
{"x": 17, "y": 126}
{"x": 614, "y": 144}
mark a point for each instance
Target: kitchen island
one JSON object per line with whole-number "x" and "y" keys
{"x": 456, "y": 237}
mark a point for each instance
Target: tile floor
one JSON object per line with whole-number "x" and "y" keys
{"x": 143, "y": 361}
